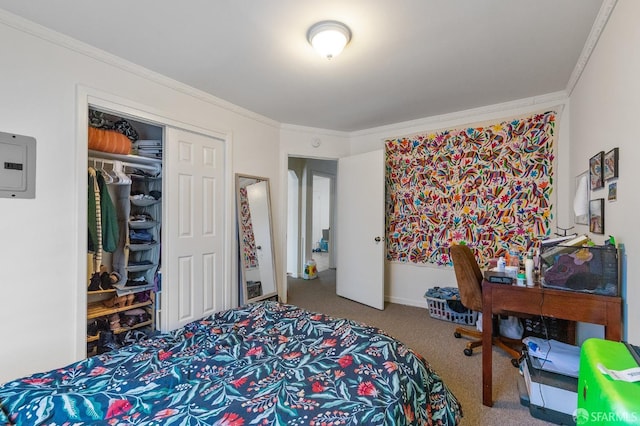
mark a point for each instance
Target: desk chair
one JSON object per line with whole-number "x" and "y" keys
{"x": 469, "y": 278}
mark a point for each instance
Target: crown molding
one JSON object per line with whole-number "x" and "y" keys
{"x": 295, "y": 128}
{"x": 548, "y": 99}
{"x": 85, "y": 49}
{"x": 596, "y": 30}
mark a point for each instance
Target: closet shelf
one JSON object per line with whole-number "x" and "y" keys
{"x": 120, "y": 330}
{"x": 111, "y": 290}
{"x": 127, "y": 158}
{"x": 142, "y": 247}
{"x": 147, "y": 224}
{"x": 140, "y": 268}
{"x": 143, "y": 177}
{"x": 97, "y": 309}
{"x": 141, "y": 202}
{"x": 123, "y": 290}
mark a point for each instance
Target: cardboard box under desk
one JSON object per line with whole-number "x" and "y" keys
{"x": 584, "y": 269}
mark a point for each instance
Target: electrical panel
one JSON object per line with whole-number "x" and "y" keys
{"x": 17, "y": 166}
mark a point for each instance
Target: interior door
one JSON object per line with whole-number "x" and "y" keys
{"x": 193, "y": 274}
{"x": 360, "y": 229}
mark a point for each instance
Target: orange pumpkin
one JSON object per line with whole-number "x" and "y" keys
{"x": 108, "y": 141}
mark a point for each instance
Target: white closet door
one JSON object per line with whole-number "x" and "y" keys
{"x": 193, "y": 272}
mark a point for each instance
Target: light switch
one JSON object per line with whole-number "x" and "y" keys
{"x": 17, "y": 166}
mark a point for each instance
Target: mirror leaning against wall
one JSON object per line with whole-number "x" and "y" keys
{"x": 255, "y": 239}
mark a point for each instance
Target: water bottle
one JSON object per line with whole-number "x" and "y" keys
{"x": 528, "y": 268}
{"x": 501, "y": 264}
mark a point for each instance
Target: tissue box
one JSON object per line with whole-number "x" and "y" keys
{"x": 584, "y": 269}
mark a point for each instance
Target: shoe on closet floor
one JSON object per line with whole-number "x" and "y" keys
{"x": 105, "y": 281}
{"x": 107, "y": 342}
{"x": 94, "y": 282}
{"x": 92, "y": 328}
{"x": 114, "y": 322}
{"x": 114, "y": 277}
{"x": 143, "y": 296}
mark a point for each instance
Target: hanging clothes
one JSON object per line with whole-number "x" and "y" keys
{"x": 102, "y": 217}
{"x": 108, "y": 217}
{"x": 94, "y": 214}
{"x": 94, "y": 228}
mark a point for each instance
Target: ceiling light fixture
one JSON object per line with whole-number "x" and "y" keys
{"x": 329, "y": 38}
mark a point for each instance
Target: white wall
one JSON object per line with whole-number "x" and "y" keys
{"x": 407, "y": 283}
{"x": 605, "y": 106}
{"x": 39, "y": 263}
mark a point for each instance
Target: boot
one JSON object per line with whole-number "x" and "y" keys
{"x": 106, "y": 342}
{"x": 114, "y": 322}
{"x": 105, "y": 281}
{"x": 103, "y": 324}
{"x": 92, "y": 328}
{"x": 94, "y": 283}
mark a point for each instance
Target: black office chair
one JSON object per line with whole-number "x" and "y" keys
{"x": 469, "y": 278}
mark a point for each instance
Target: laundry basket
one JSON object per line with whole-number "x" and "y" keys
{"x": 444, "y": 303}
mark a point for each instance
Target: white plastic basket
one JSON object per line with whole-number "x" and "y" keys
{"x": 439, "y": 309}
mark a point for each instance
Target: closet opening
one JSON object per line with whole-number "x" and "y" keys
{"x": 125, "y": 205}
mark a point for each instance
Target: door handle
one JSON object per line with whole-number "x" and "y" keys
{"x": 259, "y": 247}
{"x": 377, "y": 239}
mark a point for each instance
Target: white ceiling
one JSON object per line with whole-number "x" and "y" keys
{"x": 408, "y": 59}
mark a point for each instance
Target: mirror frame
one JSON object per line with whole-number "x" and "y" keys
{"x": 241, "y": 246}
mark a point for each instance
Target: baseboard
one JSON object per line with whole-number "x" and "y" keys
{"x": 407, "y": 302}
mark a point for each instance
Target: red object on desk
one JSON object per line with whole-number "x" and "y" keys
{"x": 569, "y": 305}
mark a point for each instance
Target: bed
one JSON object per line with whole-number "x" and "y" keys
{"x": 266, "y": 363}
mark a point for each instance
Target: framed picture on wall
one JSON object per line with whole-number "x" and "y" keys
{"x": 613, "y": 191}
{"x": 596, "y": 216}
{"x": 595, "y": 170}
{"x": 610, "y": 165}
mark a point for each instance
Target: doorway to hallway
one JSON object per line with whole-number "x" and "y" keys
{"x": 311, "y": 212}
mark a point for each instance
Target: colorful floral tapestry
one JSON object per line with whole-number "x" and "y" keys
{"x": 485, "y": 186}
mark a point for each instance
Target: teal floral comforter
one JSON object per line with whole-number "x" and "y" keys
{"x": 262, "y": 364}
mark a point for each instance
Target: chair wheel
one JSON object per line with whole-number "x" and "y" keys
{"x": 468, "y": 352}
{"x": 515, "y": 363}
{"x": 457, "y": 335}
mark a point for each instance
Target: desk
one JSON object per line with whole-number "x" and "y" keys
{"x": 569, "y": 305}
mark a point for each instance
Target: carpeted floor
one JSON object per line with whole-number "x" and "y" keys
{"x": 433, "y": 339}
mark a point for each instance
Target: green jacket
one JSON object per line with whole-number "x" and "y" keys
{"x": 109, "y": 217}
